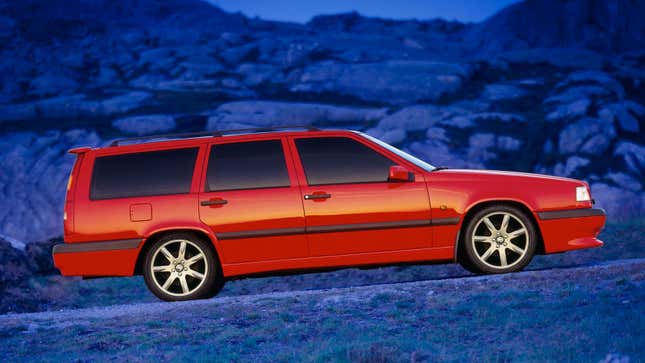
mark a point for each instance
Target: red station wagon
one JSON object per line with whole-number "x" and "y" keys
{"x": 190, "y": 211}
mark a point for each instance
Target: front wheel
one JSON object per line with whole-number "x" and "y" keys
{"x": 498, "y": 239}
{"x": 181, "y": 267}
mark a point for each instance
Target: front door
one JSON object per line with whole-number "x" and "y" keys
{"x": 351, "y": 207}
{"x": 251, "y": 199}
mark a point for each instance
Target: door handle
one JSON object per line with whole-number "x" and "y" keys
{"x": 317, "y": 196}
{"x": 213, "y": 202}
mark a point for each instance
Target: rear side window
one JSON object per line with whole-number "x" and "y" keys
{"x": 341, "y": 160}
{"x": 143, "y": 174}
{"x": 247, "y": 165}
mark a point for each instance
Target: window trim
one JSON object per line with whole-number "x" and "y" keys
{"x": 206, "y": 187}
{"x": 343, "y": 136}
{"x": 190, "y": 186}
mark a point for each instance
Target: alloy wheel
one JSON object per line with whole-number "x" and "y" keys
{"x": 179, "y": 267}
{"x": 500, "y": 240}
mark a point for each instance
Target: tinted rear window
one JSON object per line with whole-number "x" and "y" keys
{"x": 341, "y": 160}
{"x": 247, "y": 165}
{"x": 143, "y": 174}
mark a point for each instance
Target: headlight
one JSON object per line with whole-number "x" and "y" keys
{"x": 582, "y": 194}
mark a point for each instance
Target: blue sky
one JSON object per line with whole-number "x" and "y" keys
{"x": 302, "y": 10}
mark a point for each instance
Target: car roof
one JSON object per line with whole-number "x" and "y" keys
{"x": 151, "y": 142}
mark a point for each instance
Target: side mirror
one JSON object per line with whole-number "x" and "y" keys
{"x": 400, "y": 174}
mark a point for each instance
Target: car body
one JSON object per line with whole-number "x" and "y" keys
{"x": 295, "y": 200}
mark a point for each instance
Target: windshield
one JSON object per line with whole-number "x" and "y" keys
{"x": 416, "y": 161}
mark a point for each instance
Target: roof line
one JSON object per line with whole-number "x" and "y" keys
{"x": 216, "y": 133}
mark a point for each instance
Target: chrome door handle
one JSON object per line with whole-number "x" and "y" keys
{"x": 317, "y": 196}
{"x": 213, "y": 202}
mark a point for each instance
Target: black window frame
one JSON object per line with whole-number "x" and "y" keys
{"x": 207, "y": 161}
{"x": 192, "y": 177}
{"x": 304, "y": 170}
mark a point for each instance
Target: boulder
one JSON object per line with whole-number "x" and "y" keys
{"x": 13, "y": 265}
{"x": 74, "y": 107}
{"x": 437, "y": 152}
{"x": 561, "y": 58}
{"x": 633, "y": 155}
{"x": 570, "y": 166}
{"x": 35, "y": 171}
{"x": 624, "y": 181}
{"x": 269, "y": 113}
{"x": 594, "y": 77}
{"x": 571, "y": 110}
{"x": 236, "y": 55}
{"x": 157, "y": 59}
{"x": 618, "y": 202}
{"x": 479, "y": 148}
{"x": 626, "y": 114}
{"x": 497, "y": 92}
{"x": 576, "y": 93}
{"x": 53, "y": 84}
{"x": 146, "y": 124}
{"x": 106, "y": 76}
{"x": 254, "y": 74}
{"x": 38, "y": 256}
{"x": 413, "y": 118}
{"x": 393, "y": 82}
{"x": 574, "y": 135}
{"x": 198, "y": 69}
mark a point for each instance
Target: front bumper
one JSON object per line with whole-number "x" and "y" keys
{"x": 104, "y": 258}
{"x": 573, "y": 229}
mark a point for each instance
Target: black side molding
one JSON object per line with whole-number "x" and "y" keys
{"x": 337, "y": 228}
{"x": 571, "y": 213}
{"x": 123, "y": 244}
{"x": 260, "y": 233}
{"x": 444, "y": 221}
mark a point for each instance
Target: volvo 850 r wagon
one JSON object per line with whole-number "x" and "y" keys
{"x": 190, "y": 211}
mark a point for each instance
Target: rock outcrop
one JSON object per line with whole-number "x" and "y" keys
{"x": 564, "y": 96}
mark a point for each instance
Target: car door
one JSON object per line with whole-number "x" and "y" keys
{"x": 350, "y": 207}
{"x": 251, "y": 199}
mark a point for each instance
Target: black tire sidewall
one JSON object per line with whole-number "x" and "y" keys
{"x": 213, "y": 277}
{"x": 474, "y": 264}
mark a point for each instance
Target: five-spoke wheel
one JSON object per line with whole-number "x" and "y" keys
{"x": 498, "y": 239}
{"x": 182, "y": 267}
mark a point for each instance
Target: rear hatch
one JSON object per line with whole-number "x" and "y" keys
{"x": 68, "y": 213}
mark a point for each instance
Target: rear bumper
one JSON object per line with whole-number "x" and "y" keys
{"x": 105, "y": 258}
{"x": 574, "y": 229}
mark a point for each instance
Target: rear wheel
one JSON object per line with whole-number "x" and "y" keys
{"x": 181, "y": 266}
{"x": 498, "y": 239}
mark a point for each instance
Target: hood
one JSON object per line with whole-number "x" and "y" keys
{"x": 497, "y": 175}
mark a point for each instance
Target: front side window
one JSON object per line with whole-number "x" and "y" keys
{"x": 247, "y": 165}
{"x": 143, "y": 174}
{"x": 341, "y": 160}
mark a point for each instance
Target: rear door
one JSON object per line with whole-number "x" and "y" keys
{"x": 350, "y": 207}
{"x": 251, "y": 199}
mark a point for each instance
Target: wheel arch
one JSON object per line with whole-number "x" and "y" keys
{"x": 158, "y": 234}
{"x": 476, "y": 207}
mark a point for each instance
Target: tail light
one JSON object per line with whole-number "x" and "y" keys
{"x": 68, "y": 213}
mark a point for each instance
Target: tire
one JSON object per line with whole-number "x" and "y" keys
{"x": 173, "y": 277}
{"x": 492, "y": 248}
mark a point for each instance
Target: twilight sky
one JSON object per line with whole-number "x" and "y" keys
{"x": 302, "y": 10}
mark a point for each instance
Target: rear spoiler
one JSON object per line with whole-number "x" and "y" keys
{"x": 80, "y": 150}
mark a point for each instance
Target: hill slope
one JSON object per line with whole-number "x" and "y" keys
{"x": 523, "y": 316}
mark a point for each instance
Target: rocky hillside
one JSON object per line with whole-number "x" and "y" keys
{"x": 515, "y": 92}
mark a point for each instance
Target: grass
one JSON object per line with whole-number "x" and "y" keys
{"x": 566, "y": 318}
